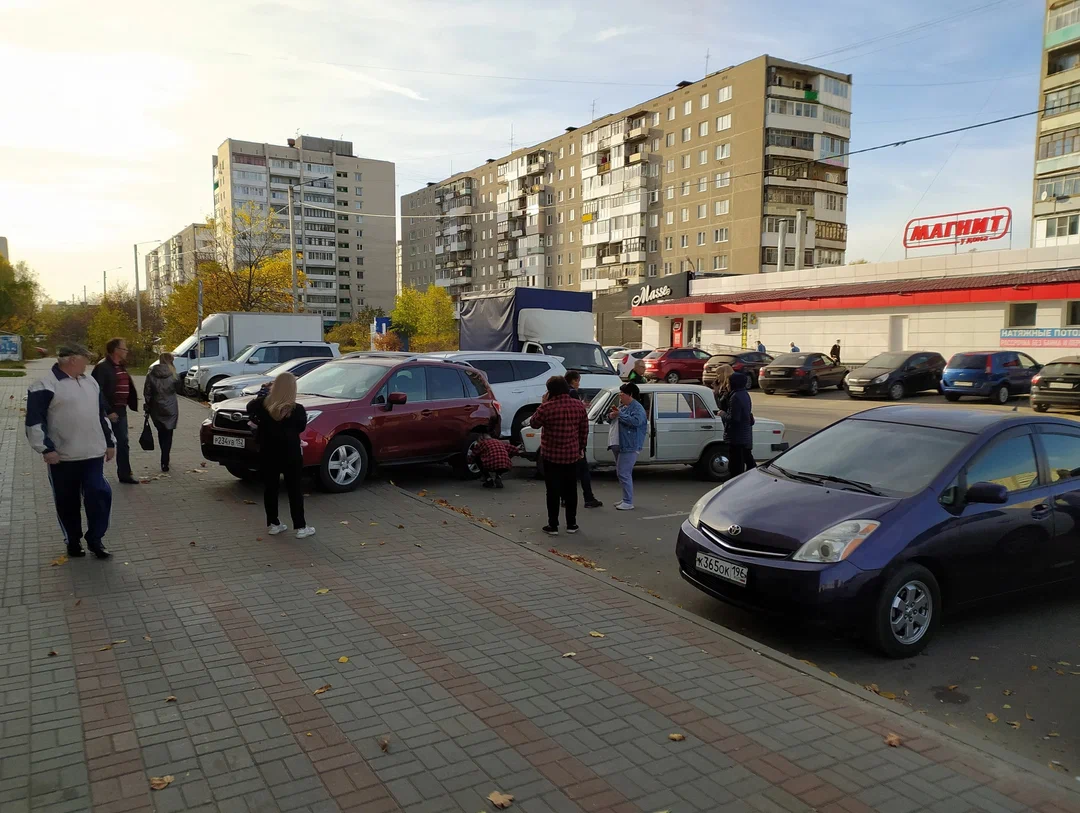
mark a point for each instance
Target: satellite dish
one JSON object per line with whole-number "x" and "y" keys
{"x": 1044, "y": 195}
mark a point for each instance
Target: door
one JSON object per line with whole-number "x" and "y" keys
{"x": 824, "y": 370}
{"x": 448, "y": 413}
{"x": 1029, "y": 367}
{"x": 1061, "y": 449}
{"x": 898, "y": 327}
{"x": 676, "y": 332}
{"x": 684, "y": 425}
{"x": 699, "y": 359}
{"x": 993, "y": 549}
{"x": 918, "y": 375}
{"x": 263, "y": 358}
{"x": 400, "y": 432}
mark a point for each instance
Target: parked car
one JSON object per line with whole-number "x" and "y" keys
{"x": 519, "y": 381}
{"x": 368, "y": 412}
{"x": 674, "y": 364}
{"x": 894, "y": 375}
{"x": 249, "y": 385}
{"x": 683, "y": 428}
{"x": 625, "y": 363}
{"x": 890, "y": 515}
{"x": 1057, "y": 384}
{"x": 614, "y": 350}
{"x": 994, "y": 374}
{"x": 255, "y": 358}
{"x": 749, "y": 362}
{"x": 801, "y": 372}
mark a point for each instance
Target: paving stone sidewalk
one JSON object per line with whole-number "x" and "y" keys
{"x": 198, "y": 650}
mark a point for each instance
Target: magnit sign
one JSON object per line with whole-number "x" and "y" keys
{"x": 958, "y": 228}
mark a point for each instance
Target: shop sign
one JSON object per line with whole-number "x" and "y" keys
{"x": 676, "y": 332}
{"x": 1040, "y": 337}
{"x": 649, "y": 294}
{"x": 745, "y": 330}
{"x": 958, "y": 228}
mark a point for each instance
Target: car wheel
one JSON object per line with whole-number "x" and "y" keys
{"x": 907, "y": 612}
{"x": 896, "y": 391}
{"x": 952, "y": 396}
{"x": 463, "y": 469}
{"x": 713, "y": 464}
{"x": 753, "y": 381}
{"x": 1001, "y": 395}
{"x": 344, "y": 465}
{"x": 672, "y": 377}
{"x": 245, "y": 473}
{"x": 842, "y": 384}
{"x": 1041, "y": 407}
{"x": 213, "y": 382}
{"x": 519, "y": 422}
{"x": 813, "y": 387}
{"x": 768, "y": 392}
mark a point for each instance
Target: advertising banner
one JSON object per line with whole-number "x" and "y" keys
{"x": 1040, "y": 337}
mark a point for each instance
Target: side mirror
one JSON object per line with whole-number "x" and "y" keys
{"x": 987, "y": 494}
{"x": 253, "y": 361}
{"x": 397, "y": 399}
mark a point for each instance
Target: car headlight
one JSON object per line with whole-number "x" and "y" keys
{"x": 881, "y": 379}
{"x": 313, "y": 414}
{"x": 838, "y": 542}
{"x": 699, "y": 506}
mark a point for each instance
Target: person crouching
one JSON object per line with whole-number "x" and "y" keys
{"x": 493, "y": 456}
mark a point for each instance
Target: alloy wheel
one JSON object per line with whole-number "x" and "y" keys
{"x": 911, "y": 611}
{"x": 896, "y": 391}
{"x": 344, "y": 465}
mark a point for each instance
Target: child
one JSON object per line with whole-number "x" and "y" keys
{"x": 494, "y": 458}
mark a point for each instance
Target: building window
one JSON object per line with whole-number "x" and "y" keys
{"x": 1022, "y": 314}
{"x": 723, "y": 123}
{"x": 724, "y": 94}
{"x": 669, "y": 218}
{"x": 703, "y": 129}
{"x": 670, "y": 167}
{"x": 686, "y": 161}
{"x": 669, "y": 140}
{"x": 723, "y": 151}
{"x": 792, "y": 139}
{"x": 358, "y": 176}
{"x": 655, "y": 119}
{"x": 723, "y": 179}
{"x": 684, "y": 241}
{"x": 720, "y": 235}
{"x": 701, "y": 238}
{"x": 686, "y": 187}
{"x": 828, "y": 231}
{"x": 719, "y": 262}
{"x": 652, "y": 269}
{"x": 685, "y": 214}
{"x": 654, "y": 196}
{"x": 789, "y": 108}
{"x": 654, "y": 221}
{"x": 688, "y": 107}
{"x": 654, "y": 245}
{"x": 1062, "y": 226}
{"x": 721, "y": 207}
{"x": 702, "y": 184}
{"x": 703, "y": 157}
{"x": 686, "y": 134}
{"x": 702, "y": 211}
{"x": 1063, "y": 186}
{"x": 668, "y": 243}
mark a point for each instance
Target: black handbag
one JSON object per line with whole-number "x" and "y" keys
{"x": 146, "y": 439}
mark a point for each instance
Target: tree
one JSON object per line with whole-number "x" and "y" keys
{"x": 109, "y": 322}
{"x": 407, "y": 312}
{"x": 355, "y": 335}
{"x": 427, "y": 319}
{"x": 20, "y": 298}
{"x": 388, "y": 342}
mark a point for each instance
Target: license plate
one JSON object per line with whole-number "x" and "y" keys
{"x": 234, "y": 443}
{"x": 1060, "y": 385}
{"x": 715, "y": 566}
{"x": 853, "y": 388}
{"x": 963, "y": 384}
{"x": 778, "y": 372}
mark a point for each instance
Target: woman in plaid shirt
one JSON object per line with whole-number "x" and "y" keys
{"x": 493, "y": 456}
{"x": 566, "y": 432}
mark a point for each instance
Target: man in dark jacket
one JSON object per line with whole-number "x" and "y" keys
{"x": 740, "y": 427}
{"x": 119, "y": 392}
{"x": 834, "y": 352}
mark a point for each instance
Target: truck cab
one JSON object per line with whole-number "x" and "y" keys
{"x": 588, "y": 358}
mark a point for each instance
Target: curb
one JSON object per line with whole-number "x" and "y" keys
{"x": 909, "y": 716}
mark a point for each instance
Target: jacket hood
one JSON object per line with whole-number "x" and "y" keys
{"x": 160, "y": 371}
{"x": 738, "y": 381}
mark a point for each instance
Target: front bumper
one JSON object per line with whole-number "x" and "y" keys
{"x": 840, "y": 593}
{"x": 868, "y": 390}
{"x": 218, "y": 394}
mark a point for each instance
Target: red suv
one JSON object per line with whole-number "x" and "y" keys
{"x": 675, "y": 364}
{"x": 375, "y": 410}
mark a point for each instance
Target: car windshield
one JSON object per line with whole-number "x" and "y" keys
{"x": 184, "y": 346}
{"x": 1060, "y": 368}
{"x": 588, "y": 358}
{"x": 967, "y": 361}
{"x": 243, "y": 354}
{"x": 348, "y": 379}
{"x": 888, "y": 361}
{"x": 892, "y": 458}
{"x": 790, "y": 359}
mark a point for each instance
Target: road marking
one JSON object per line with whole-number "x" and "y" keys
{"x": 668, "y": 516}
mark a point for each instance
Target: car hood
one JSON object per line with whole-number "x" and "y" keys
{"x": 871, "y": 372}
{"x": 778, "y": 515}
{"x": 241, "y": 380}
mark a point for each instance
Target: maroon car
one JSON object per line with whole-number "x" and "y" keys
{"x": 362, "y": 412}
{"x": 674, "y": 364}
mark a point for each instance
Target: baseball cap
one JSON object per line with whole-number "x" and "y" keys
{"x": 72, "y": 349}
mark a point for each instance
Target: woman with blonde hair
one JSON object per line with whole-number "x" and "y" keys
{"x": 279, "y": 420}
{"x": 722, "y": 386}
{"x": 160, "y": 403}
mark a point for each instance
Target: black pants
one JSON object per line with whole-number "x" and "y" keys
{"x": 165, "y": 437}
{"x": 85, "y": 479}
{"x": 740, "y": 459}
{"x": 273, "y": 470}
{"x": 583, "y": 474}
{"x": 561, "y": 482}
{"x": 485, "y": 472}
{"x": 123, "y": 451}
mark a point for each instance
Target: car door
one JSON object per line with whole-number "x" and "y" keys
{"x": 1061, "y": 449}
{"x": 698, "y": 364}
{"x": 401, "y": 432}
{"x": 600, "y": 428}
{"x": 993, "y": 549}
{"x": 917, "y": 373}
{"x": 1014, "y": 373}
{"x": 1028, "y": 367}
{"x": 530, "y": 379}
{"x": 449, "y": 413}
{"x": 821, "y": 367}
{"x": 684, "y": 424}
{"x": 263, "y": 358}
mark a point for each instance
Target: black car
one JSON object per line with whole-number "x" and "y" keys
{"x": 1057, "y": 385}
{"x": 801, "y": 372}
{"x": 749, "y": 362}
{"x": 894, "y": 375}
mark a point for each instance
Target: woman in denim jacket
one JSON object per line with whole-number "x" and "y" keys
{"x": 633, "y": 427}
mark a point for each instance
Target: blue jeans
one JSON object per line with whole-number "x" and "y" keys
{"x": 75, "y": 479}
{"x": 624, "y": 467}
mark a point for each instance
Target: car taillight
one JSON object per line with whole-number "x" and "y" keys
{"x": 800, "y": 372}
{"x": 625, "y": 359}
{"x": 498, "y": 407}
{"x": 1036, "y": 379}
{"x": 738, "y": 365}
{"x": 989, "y": 365}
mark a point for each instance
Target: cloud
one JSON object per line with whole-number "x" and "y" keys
{"x": 617, "y": 31}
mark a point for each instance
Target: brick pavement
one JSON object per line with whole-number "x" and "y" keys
{"x": 455, "y": 684}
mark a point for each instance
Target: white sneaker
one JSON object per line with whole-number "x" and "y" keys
{"x": 304, "y": 533}
{"x": 624, "y": 507}
{"x": 276, "y": 529}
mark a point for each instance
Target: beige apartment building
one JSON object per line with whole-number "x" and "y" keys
{"x": 343, "y": 215}
{"x": 173, "y": 262}
{"x": 1055, "y": 214}
{"x": 699, "y": 180}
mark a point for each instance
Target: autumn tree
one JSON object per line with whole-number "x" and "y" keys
{"x": 20, "y": 298}
{"x": 355, "y": 335}
{"x": 407, "y": 312}
{"x": 427, "y": 319}
{"x": 109, "y": 321}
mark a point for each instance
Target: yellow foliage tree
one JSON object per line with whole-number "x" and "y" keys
{"x": 426, "y": 318}
{"x": 109, "y": 322}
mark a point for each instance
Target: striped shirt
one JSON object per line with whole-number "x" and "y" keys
{"x": 123, "y": 389}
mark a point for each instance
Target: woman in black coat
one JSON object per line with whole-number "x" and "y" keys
{"x": 279, "y": 420}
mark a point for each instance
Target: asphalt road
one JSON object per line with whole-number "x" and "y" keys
{"x": 1017, "y": 659}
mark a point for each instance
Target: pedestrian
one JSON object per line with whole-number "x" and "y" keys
{"x": 493, "y": 456}
{"x": 760, "y": 346}
{"x": 637, "y": 374}
{"x": 562, "y": 443}
{"x": 722, "y": 386}
{"x": 834, "y": 353}
{"x": 573, "y": 380}
{"x": 739, "y": 426}
{"x": 279, "y": 420}
{"x": 67, "y": 424}
{"x": 795, "y": 349}
{"x": 160, "y": 403}
{"x": 119, "y": 391}
{"x": 633, "y": 427}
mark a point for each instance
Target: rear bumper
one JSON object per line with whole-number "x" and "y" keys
{"x": 977, "y": 388}
{"x": 1055, "y": 398}
{"x": 785, "y": 384}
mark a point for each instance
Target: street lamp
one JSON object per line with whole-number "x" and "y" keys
{"x": 138, "y": 305}
{"x": 105, "y": 280}
{"x": 292, "y": 237}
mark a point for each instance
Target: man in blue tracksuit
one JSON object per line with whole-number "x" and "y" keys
{"x": 67, "y": 424}
{"x": 739, "y": 425}
{"x": 633, "y": 429}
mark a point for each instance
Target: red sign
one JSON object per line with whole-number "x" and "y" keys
{"x": 958, "y": 228}
{"x": 676, "y": 332}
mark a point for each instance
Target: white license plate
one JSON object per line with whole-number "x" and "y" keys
{"x": 235, "y": 443}
{"x": 778, "y": 372}
{"x": 963, "y": 384}
{"x": 1060, "y": 385}
{"x": 853, "y": 388}
{"x": 715, "y": 566}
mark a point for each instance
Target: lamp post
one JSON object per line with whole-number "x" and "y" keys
{"x": 138, "y": 304}
{"x": 292, "y": 237}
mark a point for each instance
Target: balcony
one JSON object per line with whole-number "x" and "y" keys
{"x": 459, "y": 210}
{"x": 535, "y": 228}
{"x": 632, "y": 257}
{"x": 440, "y": 250}
{"x": 588, "y": 262}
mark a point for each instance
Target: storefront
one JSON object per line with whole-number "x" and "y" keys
{"x": 616, "y": 324}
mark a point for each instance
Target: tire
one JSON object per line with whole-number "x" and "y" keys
{"x": 463, "y": 470}
{"x": 345, "y": 465}
{"x": 769, "y": 392}
{"x": 842, "y": 385}
{"x": 907, "y": 612}
{"x": 713, "y": 464}
{"x": 210, "y": 384}
{"x": 952, "y": 396}
{"x": 814, "y": 387}
{"x": 518, "y": 423}
{"x": 753, "y": 381}
{"x": 245, "y": 473}
{"x": 896, "y": 392}
{"x": 1000, "y": 395}
{"x": 672, "y": 377}
{"x": 1041, "y": 407}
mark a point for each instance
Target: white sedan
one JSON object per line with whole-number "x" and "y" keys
{"x": 625, "y": 362}
{"x": 683, "y": 428}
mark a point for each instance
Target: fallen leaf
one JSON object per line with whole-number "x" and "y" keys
{"x": 500, "y": 800}
{"x": 121, "y": 641}
{"x": 1064, "y": 663}
{"x": 322, "y": 689}
{"x": 596, "y": 634}
{"x": 1029, "y": 717}
{"x": 171, "y": 698}
{"x": 565, "y": 654}
{"x": 259, "y": 539}
{"x": 833, "y": 674}
{"x": 676, "y": 737}
{"x": 1053, "y": 734}
{"x": 893, "y": 740}
{"x": 1006, "y": 706}
{"x": 810, "y": 663}
{"x": 373, "y": 523}
{"x": 422, "y": 492}
{"x": 52, "y": 653}
{"x": 993, "y": 718}
{"x": 250, "y": 502}
{"x": 1033, "y": 668}
{"x": 401, "y": 526}
{"x": 307, "y": 734}
{"x": 343, "y": 659}
{"x": 1014, "y": 724}
{"x": 78, "y": 602}
{"x": 384, "y": 744}
{"x": 973, "y": 658}
{"x": 872, "y": 687}
{"x": 192, "y": 544}
{"x": 344, "y": 522}
{"x": 160, "y": 782}
{"x": 887, "y": 695}
{"x": 1007, "y": 692}
{"x": 59, "y": 560}
{"x": 1059, "y": 672}
{"x": 1057, "y": 766}
{"x": 105, "y": 648}
{"x": 382, "y": 543}
{"x": 322, "y": 591}
{"x": 147, "y": 638}
{"x": 952, "y": 687}
{"x": 1074, "y": 673}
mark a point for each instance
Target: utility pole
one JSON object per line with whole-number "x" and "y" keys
{"x": 706, "y": 61}
{"x": 84, "y": 295}
{"x": 592, "y": 111}
{"x": 511, "y": 137}
{"x": 292, "y": 248}
{"x": 104, "y": 284}
{"x": 138, "y": 305}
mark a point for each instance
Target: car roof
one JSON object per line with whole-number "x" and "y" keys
{"x": 387, "y": 361}
{"x": 701, "y": 389}
{"x": 1066, "y": 360}
{"x": 490, "y": 354}
{"x": 972, "y": 421}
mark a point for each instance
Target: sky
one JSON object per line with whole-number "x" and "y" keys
{"x": 110, "y": 112}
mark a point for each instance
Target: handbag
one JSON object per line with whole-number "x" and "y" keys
{"x": 146, "y": 439}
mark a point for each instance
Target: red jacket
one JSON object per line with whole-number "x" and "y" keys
{"x": 566, "y": 429}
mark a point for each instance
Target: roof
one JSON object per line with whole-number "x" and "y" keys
{"x": 957, "y": 420}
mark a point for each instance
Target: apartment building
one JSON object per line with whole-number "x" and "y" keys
{"x": 343, "y": 215}
{"x": 1055, "y": 213}
{"x": 700, "y": 180}
{"x": 173, "y": 262}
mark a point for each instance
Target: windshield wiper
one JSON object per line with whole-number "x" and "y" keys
{"x": 866, "y": 488}
{"x": 794, "y": 475}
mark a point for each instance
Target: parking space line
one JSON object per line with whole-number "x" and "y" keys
{"x": 668, "y": 516}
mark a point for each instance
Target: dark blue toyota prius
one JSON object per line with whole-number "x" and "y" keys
{"x": 885, "y": 517}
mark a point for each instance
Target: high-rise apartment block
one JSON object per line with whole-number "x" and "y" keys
{"x": 701, "y": 179}
{"x": 1055, "y": 215}
{"x": 173, "y": 263}
{"x": 343, "y": 215}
